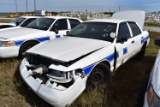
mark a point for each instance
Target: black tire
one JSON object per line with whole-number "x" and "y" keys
{"x": 141, "y": 54}
{"x": 100, "y": 75}
{"x": 25, "y": 47}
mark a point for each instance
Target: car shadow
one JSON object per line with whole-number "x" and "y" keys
{"x": 128, "y": 84}
{"x": 33, "y": 99}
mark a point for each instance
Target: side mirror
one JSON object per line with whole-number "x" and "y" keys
{"x": 157, "y": 42}
{"x": 54, "y": 30}
{"x": 122, "y": 39}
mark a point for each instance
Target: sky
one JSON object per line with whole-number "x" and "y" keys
{"x": 80, "y": 5}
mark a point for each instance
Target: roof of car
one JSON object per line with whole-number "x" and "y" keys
{"x": 29, "y": 16}
{"x": 60, "y": 17}
{"x": 55, "y": 17}
{"x": 107, "y": 20}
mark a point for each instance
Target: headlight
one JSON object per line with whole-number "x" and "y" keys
{"x": 153, "y": 99}
{"x": 7, "y": 43}
{"x": 59, "y": 76}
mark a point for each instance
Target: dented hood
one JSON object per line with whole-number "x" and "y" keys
{"x": 68, "y": 48}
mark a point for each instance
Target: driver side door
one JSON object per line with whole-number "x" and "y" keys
{"x": 62, "y": 26}
{"x": 124, "y": 44}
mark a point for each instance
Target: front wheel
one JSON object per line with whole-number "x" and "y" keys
{"x": 141, "y": 54}
{"x": 99, "y": 75}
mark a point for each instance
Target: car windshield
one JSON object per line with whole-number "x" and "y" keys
{"x": 18, "y": 21}
{"x": 41, "y": 23}
{"x": 95, "y": 30}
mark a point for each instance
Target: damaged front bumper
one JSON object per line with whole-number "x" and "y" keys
{"x": 54, "y": 94}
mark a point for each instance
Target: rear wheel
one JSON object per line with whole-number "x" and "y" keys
{"x": 141, "y": 54}
{"x": 99, "y": 75}
{"x": 25, "y": 47}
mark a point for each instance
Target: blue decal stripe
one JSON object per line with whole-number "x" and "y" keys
{"x": 117, "y": 54}
{"x": 125, "y": 50}
{"x": 110, "y": 58}
{"x": 58, "y": 36}
{"x": 43, "y": 39}
{"x": 18, "y": 43}
{"x": 88, "y": 69}
{"x": 144, "y": 39}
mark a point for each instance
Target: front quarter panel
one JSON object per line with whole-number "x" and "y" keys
{"x": 90, "y": 61}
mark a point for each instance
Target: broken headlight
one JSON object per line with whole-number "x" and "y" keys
{"x": 59, "y": 76}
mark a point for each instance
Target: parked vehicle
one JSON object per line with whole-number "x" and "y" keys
{"x": 18, "y": 22}
{"x": 60, "y": 70}
{"x": 152, "y": 94}
{"x": 14, "y": 42}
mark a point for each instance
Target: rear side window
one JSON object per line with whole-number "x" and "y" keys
{"x": 61, "y": 24}
{"x": 74, "y": 22}
{"x": 25, "y": 23}
{"x": 135, "y": 29}
{"x": 123, "y": 31}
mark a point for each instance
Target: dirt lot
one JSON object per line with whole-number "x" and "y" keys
{"x": 123, "y": 90}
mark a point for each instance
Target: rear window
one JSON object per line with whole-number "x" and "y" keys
{"x": 74, "y": 22}
{"x": 26, "y": 22}
{"x": 123, "y": 31}
{"x": 18, "y": 21}
{"x": 135, "y": 29}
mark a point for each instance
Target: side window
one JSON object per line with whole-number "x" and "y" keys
{"x": 74, "y": 22}
{"x": 61, "y": 24}
{"x": 135, "y": 29}
{"x": 25, "y": 23}
{"x": 123, "y": 31}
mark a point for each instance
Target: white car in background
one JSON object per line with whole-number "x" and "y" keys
{"x": 152, "y": 94}
{"x": 13, "y": 42}
{"x": 18, "y": 22}
{"x": 60, "y": 70}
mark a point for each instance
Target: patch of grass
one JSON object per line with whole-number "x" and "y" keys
{"x": 122, "y": 91}
{"x": 5, "y": 20}
{"x": 153, "y": 24}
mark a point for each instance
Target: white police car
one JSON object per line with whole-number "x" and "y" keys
{"x": 14, "y": 42}
{"x": 59, "y": 70}
{"x": 152, "y": 94}
{"x": 18, "y": 22}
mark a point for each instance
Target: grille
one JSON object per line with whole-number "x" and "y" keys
{"x": 38, "y": 60}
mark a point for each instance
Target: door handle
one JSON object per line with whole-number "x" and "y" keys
{"x": 132, "y": 42}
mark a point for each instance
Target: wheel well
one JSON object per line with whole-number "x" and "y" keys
{"x": 31, "y": 41}
{"x": 108, "y": 72}
{"x": 35, "y": 41}
{"x": 106, "y": 63}
{"x": 144, "y": 44}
